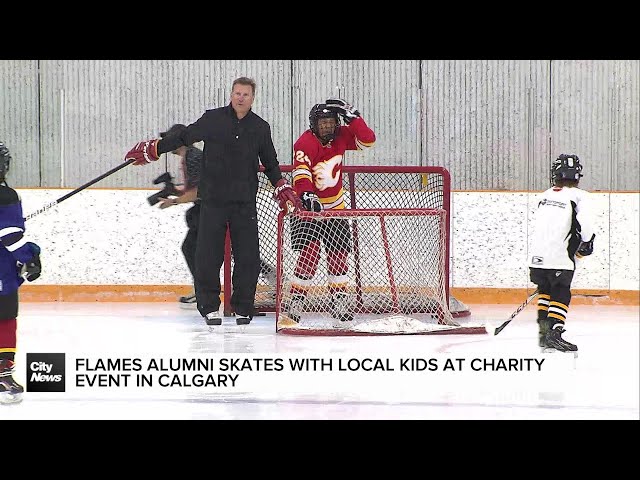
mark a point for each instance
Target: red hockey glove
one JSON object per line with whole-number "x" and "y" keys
{"x": 143, "y": 152}
{"x": 286, "y": 197}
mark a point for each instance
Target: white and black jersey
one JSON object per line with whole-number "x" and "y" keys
{"x": 562, "y": 220}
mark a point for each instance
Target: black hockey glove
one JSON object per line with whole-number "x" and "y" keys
{"x": 32, "y": 269}
{"x": 586, "y": 248}
{"x": 346, "y": 111}
{"x": 311, "y": 202}
{"x": 5, "y": 160}
{"x": 4, "y": 151}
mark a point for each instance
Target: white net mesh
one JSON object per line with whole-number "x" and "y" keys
{"x": 365, "y": 271}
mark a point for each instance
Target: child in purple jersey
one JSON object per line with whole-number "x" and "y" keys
{"x": 19, "y": 260}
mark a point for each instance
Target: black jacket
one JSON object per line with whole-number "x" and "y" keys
{"x": 232, "y": 148}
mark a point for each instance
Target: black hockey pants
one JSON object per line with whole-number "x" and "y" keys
{"x": 243, "y": 226}
{"x": 190, "y": 242}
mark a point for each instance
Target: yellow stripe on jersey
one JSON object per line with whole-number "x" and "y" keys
{"x": 335, "y": 205}
{"x": 302, "y": 171}
{"x": 334, "y": 198}
{"x": 362, "y": 145}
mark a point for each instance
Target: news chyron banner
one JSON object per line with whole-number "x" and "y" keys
{"x": 65, "y": 373}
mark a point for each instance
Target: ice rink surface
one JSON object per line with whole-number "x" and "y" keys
{"x": 601, "y": 383}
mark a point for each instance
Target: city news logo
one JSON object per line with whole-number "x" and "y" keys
{"x": 45, "y": 372}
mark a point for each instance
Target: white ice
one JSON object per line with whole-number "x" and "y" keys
{"x": 602, "y": 383}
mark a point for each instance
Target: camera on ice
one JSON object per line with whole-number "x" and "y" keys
{"x": 366, "y": 364}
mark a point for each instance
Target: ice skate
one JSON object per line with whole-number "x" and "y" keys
{"x": 271, "y": 278}
{"x": 555, "y": 342}
{"x": 213, "y": 319}
{"x": 10, "y": 390}
{"x": 269, "y": 275}
{"x": 187, "y": 301}
{"x": 296, "y": 306}
{"x": 543, "y": 328}
{"x": 340, "y": 307}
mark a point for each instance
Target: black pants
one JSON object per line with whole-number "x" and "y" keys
{"x": 243, "y": 226}
{"x": 554, "y": 283}
{"x": 189, "y": 244}
{"x": 9, "y": 306}
{"x": 334, "y": 233}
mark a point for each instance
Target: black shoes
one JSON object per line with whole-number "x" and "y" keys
{"x": 214, "y": 319}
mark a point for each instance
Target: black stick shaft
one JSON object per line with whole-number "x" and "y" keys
{"x": 79, "y": 189}
{"x": 513, "y": 315}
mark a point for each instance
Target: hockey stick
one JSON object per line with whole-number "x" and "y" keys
{"x": 79, "y": 189}
{"x": 513, "y": 315}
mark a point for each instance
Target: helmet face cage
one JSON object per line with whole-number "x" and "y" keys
{"x": 321, "y": 111}
{"x": 566, "y": 167}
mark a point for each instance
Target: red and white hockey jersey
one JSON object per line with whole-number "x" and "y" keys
{"x": 318, "y": 168}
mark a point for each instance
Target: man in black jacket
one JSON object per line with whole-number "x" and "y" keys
{"x": 235, "y": 140}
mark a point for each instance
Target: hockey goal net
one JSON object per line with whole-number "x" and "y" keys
{"x": 389, "y": 188}
{"x": 383, "y": 273}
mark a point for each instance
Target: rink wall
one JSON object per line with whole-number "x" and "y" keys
{"x": 110, "y": 245}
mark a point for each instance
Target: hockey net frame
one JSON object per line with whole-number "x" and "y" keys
{"x": 365, "y": 187}
{"x": 395, "y": 281}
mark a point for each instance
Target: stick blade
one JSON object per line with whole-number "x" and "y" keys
{"x": 500, "y": 328}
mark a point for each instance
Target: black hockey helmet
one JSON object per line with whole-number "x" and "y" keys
{"x": 319, "y": 111}
{"x": 566, "y": 167}
{"x": 5, "y": 160}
